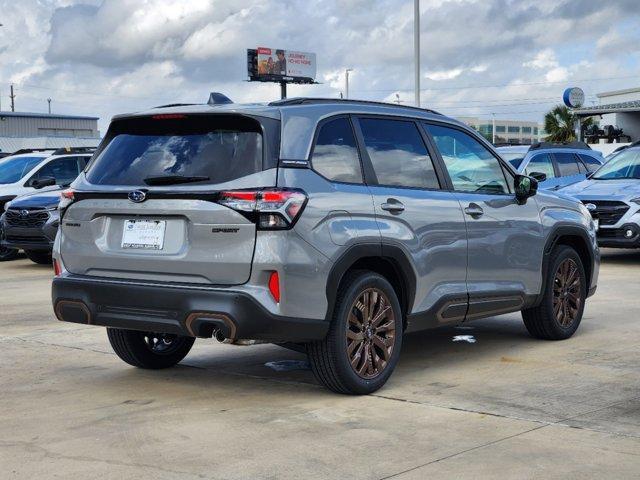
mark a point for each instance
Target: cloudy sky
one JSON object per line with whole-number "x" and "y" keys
{"x": 511, "y": 57}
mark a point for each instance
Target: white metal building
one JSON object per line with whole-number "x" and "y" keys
{"x": 619, "y": 108}
{"x": 41, "y": 130}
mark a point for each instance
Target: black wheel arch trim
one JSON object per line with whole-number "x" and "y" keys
{"x": 559, "y": 232}
{"x": 394, "y": 254}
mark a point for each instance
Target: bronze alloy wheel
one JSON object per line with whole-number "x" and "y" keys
{"x": 371, "y": 333}
{"x": 567, "y": 292}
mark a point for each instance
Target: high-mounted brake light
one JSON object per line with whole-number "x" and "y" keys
{"x": 271, "y": 209}
{"x": 168, "y": 116}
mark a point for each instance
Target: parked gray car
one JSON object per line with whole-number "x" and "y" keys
{"x": 553, "y": 165}
{"x": 330, "y": 226}
{"x": 612, "y": 194}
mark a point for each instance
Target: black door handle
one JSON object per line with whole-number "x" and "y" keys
{"x": 474, "y": 210}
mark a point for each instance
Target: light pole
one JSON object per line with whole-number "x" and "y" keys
{"x": 493, "y": 128}
{"x": 49, "y": 102}
{"x": 416, "y": 48}
{"x": 346, "y": 82}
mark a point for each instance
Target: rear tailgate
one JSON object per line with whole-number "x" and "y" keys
{"x": 170, "y": 232}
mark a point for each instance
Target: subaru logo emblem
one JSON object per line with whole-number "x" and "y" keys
{"x": 24, "y": 213}
{"x": 137, "y": 196}
{"x": 591, "y": 207}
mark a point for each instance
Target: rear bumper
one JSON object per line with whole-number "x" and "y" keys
{"x": 195, "y": 312}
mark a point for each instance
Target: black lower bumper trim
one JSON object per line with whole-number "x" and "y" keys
{"x": 177, "y": 310}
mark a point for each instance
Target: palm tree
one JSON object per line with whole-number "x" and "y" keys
{"x": 559, "y": 124}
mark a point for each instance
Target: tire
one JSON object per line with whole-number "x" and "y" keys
{"x": 41, "y": 258}
{"x": 7, "y": 254}
{"x": 140, "y": 350}
{"x": 352, "y": 331}
{"x": 544, "y": 321}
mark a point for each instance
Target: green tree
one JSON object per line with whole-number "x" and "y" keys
{"x": 559, "y": 123}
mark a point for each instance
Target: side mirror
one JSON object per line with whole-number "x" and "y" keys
{"x": 525, "y": 187}
{"x": 539, "y": 176}
{"x": 39, "y": 183}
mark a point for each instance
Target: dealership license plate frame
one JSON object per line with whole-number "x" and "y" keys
{"x": 143, "y": 234}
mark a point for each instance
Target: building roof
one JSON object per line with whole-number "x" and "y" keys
{"x": 621, "y": 107}
{"x": 13, "y": 144}
{"x": 46, "y": 115}
{"x": 618, "y": 92}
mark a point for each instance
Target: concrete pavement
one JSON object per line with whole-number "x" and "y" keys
{"x": 507, "y": 406}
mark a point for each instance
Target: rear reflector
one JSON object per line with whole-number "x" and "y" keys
{"x": 274, "y": 286}
{"x": 57, "y": 271}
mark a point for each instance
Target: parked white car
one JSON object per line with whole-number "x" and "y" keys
{"x": 39, "y": 170}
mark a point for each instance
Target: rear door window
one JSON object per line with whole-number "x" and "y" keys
{"x": 213, "y": 149}
{"x": 567, "y": 164}
{"x": 398, "y": 154}
{"x": 335, "y": 155}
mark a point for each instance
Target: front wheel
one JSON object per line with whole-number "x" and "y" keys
{"x": 41, "y": 258}
{"x": 147, "y": 349}
{"x": 560, "y": 312}
{"x": 363, "y": 344}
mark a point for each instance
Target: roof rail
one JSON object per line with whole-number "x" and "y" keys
{"x": 575, "y": 144}
{"x": 317, "y": 101}
{"x": 624, "y": 147}
{"x": 68, "y": 150}
{"x": 510, "y": 144}
{"x": 32, "y": 150}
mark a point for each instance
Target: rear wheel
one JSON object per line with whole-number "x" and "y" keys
{"x": 41, "y": 258}
{"x": 7, "y": 254}
{"x": 363, "y": 345}
{"x": 147, "y": 349}
{"x": 560, "y": 312}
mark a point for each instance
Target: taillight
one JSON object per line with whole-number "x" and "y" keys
{"x": 66, "y": 199}
{"x": 57, "y": 271}
{"x": 271, "y": 209}
{"x": 274, "y": 286}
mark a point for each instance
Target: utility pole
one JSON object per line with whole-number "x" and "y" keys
{"x": 13, "y": 97}
{"x": 416, "y": 48}
{"x": 397, "y": 100}
{"x": 493, "y": 128}
{"x": 49, "y": 102}
{"x": 346, "y": 82}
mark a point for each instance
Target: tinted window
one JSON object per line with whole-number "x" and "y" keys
{"x": 64, "y": 170}
{"x": 218, "y": 149}
{"x": 591, "y": 163}
{"x": 567, "y": 164}
{"x": 13, "y": 169}
{"x": 471, "y": 166}
{"x": 398, "y": 154}
{"x": 335, "y": 155}
{"x": 625, "y": 164}
{"x": 542, "y": 164}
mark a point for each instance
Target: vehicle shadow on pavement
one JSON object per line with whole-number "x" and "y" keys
{"x": 620, "y": 257}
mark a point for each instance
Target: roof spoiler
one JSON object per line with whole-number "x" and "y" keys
{"x": 216, "y": 98}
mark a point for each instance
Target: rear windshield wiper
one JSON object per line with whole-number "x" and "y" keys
{"x": 173, "y": 180}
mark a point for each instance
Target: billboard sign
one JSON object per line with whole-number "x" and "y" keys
{"x": 277, "y": 65}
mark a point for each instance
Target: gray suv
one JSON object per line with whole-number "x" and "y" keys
{"x": 325, "y": 225}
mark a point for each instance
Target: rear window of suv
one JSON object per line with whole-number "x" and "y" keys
{"x": 215, "y": 149}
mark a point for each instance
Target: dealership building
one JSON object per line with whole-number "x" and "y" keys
{"x": 620, "y": 108}
{"x": 507, "y": 131}
{"x": 19, "y": 130}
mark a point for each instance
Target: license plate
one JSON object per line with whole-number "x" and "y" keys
{"x": 143, "y": 234}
